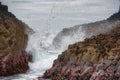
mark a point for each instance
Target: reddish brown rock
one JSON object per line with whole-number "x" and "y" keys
{"x": 96, "y": 58}
{"x": 14, "y": 63}
{"x": 13, "y": 40}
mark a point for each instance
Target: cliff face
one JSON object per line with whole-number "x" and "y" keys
{"x": 13, "y": 41}
{"x": 96, "y": 58}
{"x": 115, "y": 16}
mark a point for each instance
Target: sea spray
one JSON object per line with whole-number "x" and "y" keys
{"x": 35, "y": 13}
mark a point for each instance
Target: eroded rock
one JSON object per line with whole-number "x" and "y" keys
{"x": 95, "y": 58}
{"x": 13, "y": 40}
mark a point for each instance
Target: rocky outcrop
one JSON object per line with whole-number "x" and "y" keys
{"x": 95, "y": 58}
{"x": 115, "y": 16}
{"x": 13, "y": 40}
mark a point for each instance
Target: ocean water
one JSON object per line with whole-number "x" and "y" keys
{"x": 47, "y": 18}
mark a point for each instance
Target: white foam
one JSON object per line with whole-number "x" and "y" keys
{"x": 54, "y": 15}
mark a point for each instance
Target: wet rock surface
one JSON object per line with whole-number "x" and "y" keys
{"x": 95, "y": 58}
{"x": 13, "y": 40}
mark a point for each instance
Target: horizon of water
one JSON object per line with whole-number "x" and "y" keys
{"x": 49, "y": 17}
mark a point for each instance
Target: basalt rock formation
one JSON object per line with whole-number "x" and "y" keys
{"x": 13, "y": 40}
{"x": 95, "y": 58}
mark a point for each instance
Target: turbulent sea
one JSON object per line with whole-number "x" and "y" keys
{"x": 47, "y": 18}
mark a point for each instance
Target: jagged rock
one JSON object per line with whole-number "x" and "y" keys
{"x": 13, "y": 40}
{"x": 3, "y": 7}
{"x": 95, "y": 58}
{"x": 115, "y": 16}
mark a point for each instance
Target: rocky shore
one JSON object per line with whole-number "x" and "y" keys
{"x": 13, "y": 40}
{"x": 95, "y": 58}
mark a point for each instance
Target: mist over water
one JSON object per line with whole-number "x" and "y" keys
{"x": 47, "y": 18}
{"x": 58, "y": 14}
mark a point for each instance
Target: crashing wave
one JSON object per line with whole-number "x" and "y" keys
{"x": 80, "y": 32}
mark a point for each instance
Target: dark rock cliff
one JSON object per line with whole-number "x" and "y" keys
{"x": 115, "y": 16}
{"x": 13, "y": 40}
